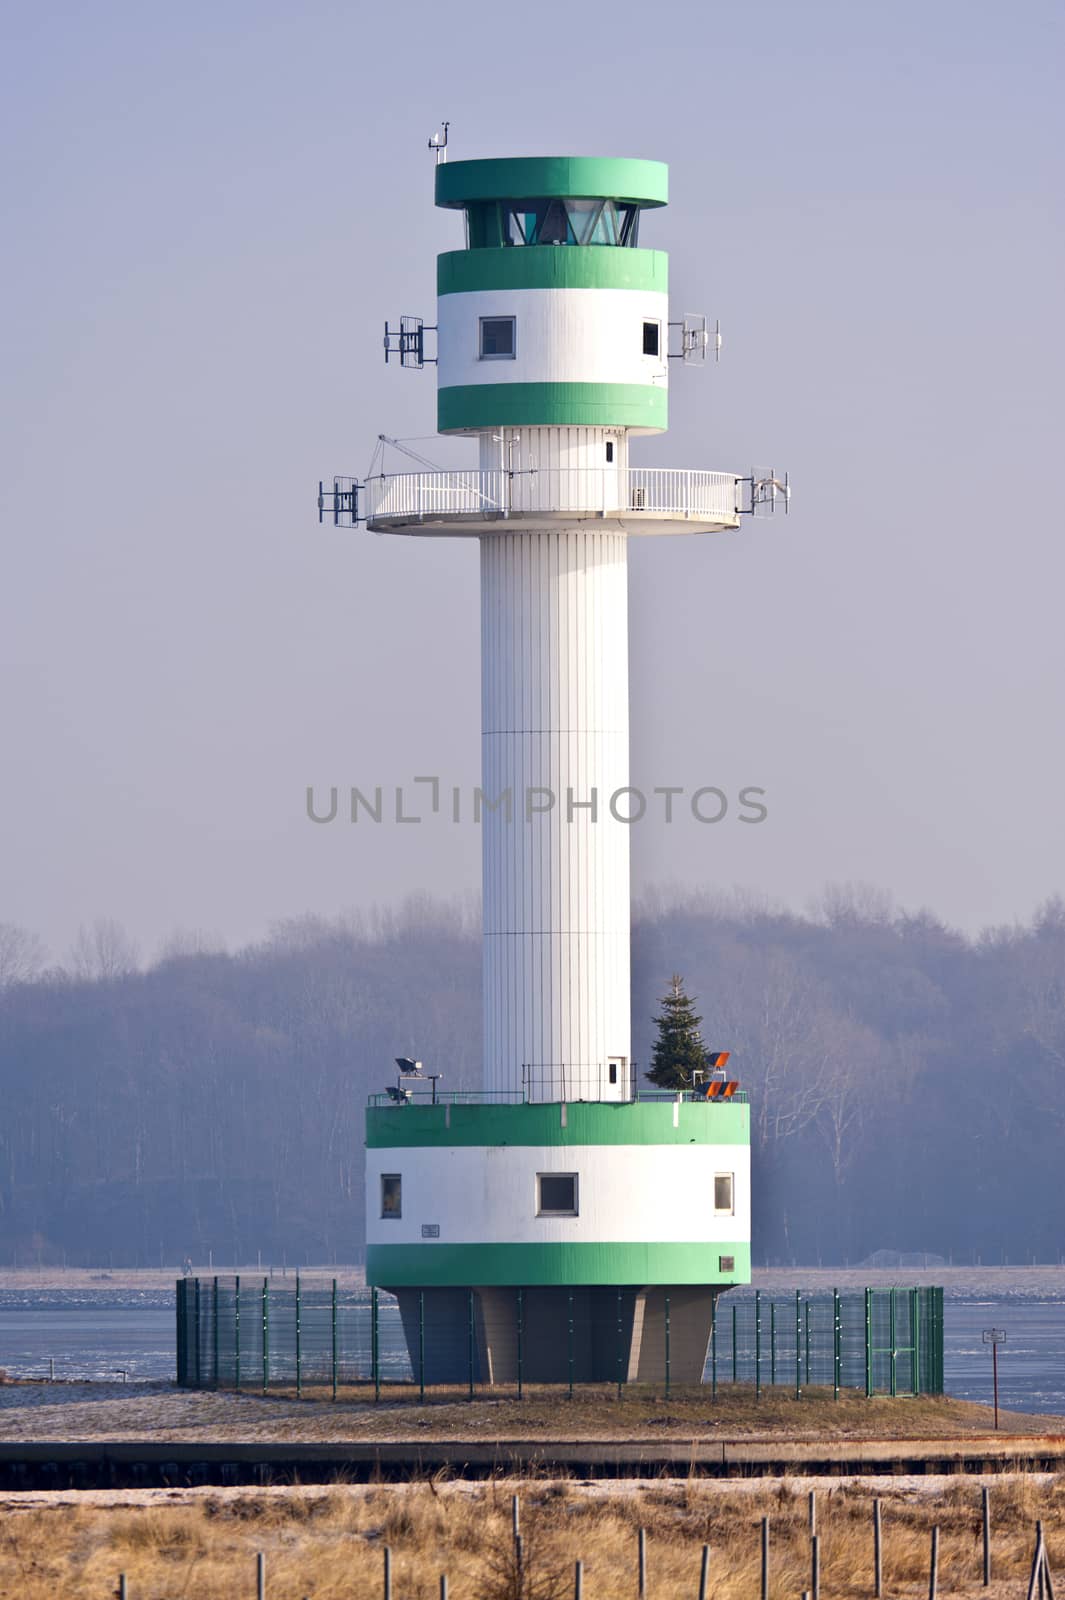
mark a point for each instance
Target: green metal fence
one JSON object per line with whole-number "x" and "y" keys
{"x": 881, "y": 1341}
{"x": 261, "y": 1333}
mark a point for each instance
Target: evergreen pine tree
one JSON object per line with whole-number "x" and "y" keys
{"x": 678, "y": 1048}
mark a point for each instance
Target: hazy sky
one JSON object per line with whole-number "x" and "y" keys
{"x": 209, "y": 212}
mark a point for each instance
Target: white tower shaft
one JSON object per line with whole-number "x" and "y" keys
{"x": 554, "y": 695}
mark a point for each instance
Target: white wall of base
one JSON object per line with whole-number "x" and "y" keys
{"x": 628, "y": 1194}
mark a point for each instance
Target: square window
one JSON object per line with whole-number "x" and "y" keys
{"x": 726, "y": 1263}
{"x": 652, "y": 333}
{"x": 723, "y": 1193}
{"x": 497, "y": 338}
{"x": 391, "y": 1194}
{"x": 556, "y": 1194}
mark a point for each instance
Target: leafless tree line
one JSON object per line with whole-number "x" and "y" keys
{"x": 907, "y": 1083}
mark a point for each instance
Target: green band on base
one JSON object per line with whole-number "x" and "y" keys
{"x": 473, "y": 406}
{"x": 479, "y": 1265}
{"x": 626, "y": 1123}
{"x": 551, "y": 266}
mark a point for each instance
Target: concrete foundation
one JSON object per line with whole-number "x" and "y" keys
{"x": 592, "y": 1335}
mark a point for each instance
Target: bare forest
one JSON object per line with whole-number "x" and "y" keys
{"x": 907, "y": 1082}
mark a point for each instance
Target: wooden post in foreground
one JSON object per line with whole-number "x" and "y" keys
{"x": 933, "y": 1566}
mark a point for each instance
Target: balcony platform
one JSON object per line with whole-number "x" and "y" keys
{"x": 633, "y": 500}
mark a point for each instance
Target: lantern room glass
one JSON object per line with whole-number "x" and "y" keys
{"x": 491, "y": 223}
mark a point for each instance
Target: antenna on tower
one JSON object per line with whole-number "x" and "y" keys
{"x": 763, "y": 491}
{"x": 695, "y": 339}
{"x": 438, "y": 142}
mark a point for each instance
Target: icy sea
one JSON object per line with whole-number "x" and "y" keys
{"x": 110, "y": 1333}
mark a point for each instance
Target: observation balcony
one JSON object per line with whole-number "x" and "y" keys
{"x": 635, "y": 500}
{"x": 516, "y": 1097}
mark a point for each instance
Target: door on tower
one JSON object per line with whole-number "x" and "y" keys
{"x": 618, "y": 1085}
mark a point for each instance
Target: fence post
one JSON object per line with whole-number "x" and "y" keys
{"x": 333, "y": 1309}
{"x": 181, "y": 1299}
{"x": 892, "y": 1340}
{"x": 986, "y": 1519}
{"x": 915, "y": 1363}
{"x": 704, "y": 1574}
{"x": 815, "y": 1568}
{"x": 734, "y": 1379}
{"x": 578, "y": 1580}
{"x": 520, "y": 1309}
{"x": 236, "y": 1330}
{"x": 122, "y": 1590}
{"x": 215, "y": 1331}
{"x": 469, "y": 1340}
{"x": 667, "y": 1346}
{"x": 641, "y": 1564}
{"x": 798, "y": 1344}
{"x": 1037, "y": 1583}
{"x": 388, "y": 1574}
{"x": 765, "y": 1558}
{"x": 421, "y": 1346}
{"x": 806, "y": 1320}
{"x": 713, "y": 1351}
{"x": 299, "y": 1339}
{"x": 878, "y": 1549}
{"x": 570, "y": 1338}
{"x": 868, "y": 1343}
{"x": 196, "y": 1352}
{"x": 266, "y": 1334}
{"x": 260, "y": 1576}
{"x": 618, "y": 1344}
{"x": 758, "y": 1344}
{"x": 375, "y": 1346}
{"x": 772, "y": 1343}
{"x": 933, "y": 1566}
{"x": 837, "y": 1346}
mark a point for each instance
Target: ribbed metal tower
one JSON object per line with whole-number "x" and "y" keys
{"x": 597, "y": 1207}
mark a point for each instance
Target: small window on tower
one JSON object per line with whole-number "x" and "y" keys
{"x": 497, "y": 338}
{"x": 651, "y": 334}
{"x": 391, "y": 1194}
{"x": 610, "y": 449}
{"x": 723, "y": 1193}
{"x": 556, "y": 1194}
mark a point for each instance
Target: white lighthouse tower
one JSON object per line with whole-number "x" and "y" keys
{"x": 563, "y": 1211}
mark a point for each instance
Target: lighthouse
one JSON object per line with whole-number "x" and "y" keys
{"x": 564, "y": 1221}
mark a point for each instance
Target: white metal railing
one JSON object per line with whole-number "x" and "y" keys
{"x": 593, "y": 491}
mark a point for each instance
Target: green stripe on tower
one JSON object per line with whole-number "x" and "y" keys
{"x": 547, "y": 405}
{"x": 397, "y": 1266}
{"x": 552, "y": 266}
{"x": 626, "y": 1122}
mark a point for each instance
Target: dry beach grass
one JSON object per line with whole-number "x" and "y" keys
{"x": 328, "y": 1543}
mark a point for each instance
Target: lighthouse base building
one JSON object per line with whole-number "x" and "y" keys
{"x": 573, "y": 1227}
{"x": 563, "y": 1223}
